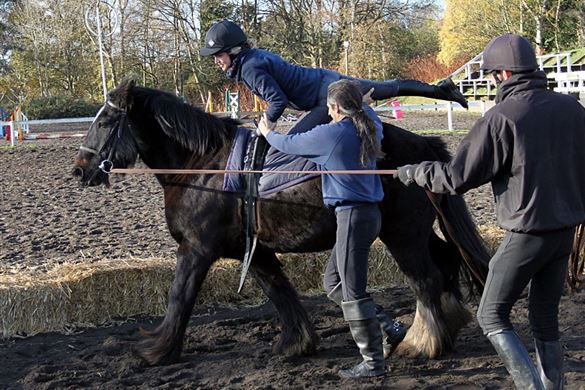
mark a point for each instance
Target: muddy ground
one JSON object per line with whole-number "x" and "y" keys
{"x": 45, "y": 219}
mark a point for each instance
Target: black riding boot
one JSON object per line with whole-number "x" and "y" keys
{"x": 549, "y": 360}
{"x": 393, "y": 331}
{"x": 365, "y": 329}
{"x": 516, "y": 359}
{"x": 444, "y": 90}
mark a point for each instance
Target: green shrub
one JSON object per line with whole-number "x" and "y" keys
{"x": 60, "y": 107}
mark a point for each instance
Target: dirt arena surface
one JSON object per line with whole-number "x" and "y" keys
{"x": 47, "y": 219}
{"x": 230, "y": 349}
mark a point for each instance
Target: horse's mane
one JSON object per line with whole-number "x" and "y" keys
{"x": 191, "y": 127}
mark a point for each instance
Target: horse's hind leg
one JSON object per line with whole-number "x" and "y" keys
{"x": 407, "y": 237}
{"x": 428, "y": 336}
{"x": 163, "y": 345}
{"x": 298, "y": 336}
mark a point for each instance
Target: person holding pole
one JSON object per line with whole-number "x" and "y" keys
{"x": 529, "y": 146}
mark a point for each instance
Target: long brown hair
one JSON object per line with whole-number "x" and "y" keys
{"x": 348, "y": 95}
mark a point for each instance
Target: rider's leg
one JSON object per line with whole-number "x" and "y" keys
{"x": 444, "y": 90}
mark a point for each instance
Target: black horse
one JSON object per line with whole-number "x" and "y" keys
{"x": 207, "y": 223}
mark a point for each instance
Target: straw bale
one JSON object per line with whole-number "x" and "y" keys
{"x": 89, "y": 294}
{"x": 492, "y": 236}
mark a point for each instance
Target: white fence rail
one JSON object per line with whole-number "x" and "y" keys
{"x": 448, "y": 107}
{"x": 476, "y": 78}
{"x": 24, "y": 125}
{"x": 570, "y": 82}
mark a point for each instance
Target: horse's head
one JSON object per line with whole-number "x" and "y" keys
{"x": 109, "y": 142}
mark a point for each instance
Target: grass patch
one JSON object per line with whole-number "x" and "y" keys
{"x": 19, "y": 145}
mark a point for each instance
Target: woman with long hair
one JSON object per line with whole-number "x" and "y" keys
{"x": 350, "y": 142}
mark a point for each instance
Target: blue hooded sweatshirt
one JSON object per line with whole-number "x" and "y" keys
{"x": 336, "y": 146}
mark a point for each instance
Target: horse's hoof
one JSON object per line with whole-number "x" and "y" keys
{"x": 296, "y": 346}
{"x": 147, "y": 352}
{"x": 413, "y": 348}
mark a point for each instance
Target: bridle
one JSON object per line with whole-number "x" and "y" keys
{"x": 106, "y": 165}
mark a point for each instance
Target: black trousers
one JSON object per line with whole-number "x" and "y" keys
{"x": 318, "y": 115}
{"x": 357, "y": 228}
{"x": 539, "y": 259}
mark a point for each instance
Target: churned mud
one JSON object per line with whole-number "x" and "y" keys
{"x": 231, "y": 349}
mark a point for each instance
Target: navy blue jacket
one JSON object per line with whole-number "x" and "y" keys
{"x": 278, "y": 82}
{"x": 336, "y": 146}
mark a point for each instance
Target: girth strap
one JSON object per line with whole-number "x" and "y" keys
{"x": 254, "y": 161}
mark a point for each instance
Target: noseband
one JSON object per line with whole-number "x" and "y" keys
{"x": 106, "y": 164}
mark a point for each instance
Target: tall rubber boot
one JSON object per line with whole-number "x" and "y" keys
{"x": 549, "y": 361}
{"x": 336, "y": 294}
{"x": 444, "y": 90}
{"x": 365, "y": 329}
{"x": 516, "y": 359}
{"x": 393, "y": 331}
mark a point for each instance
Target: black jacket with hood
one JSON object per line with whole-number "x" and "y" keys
{"x": 531, "y": 147}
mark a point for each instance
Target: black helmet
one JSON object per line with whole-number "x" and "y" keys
{"x": 509, "y": 52}
{"x": 221, "y": 37}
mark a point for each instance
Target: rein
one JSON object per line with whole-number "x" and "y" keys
{"x": 576, "y": 260}
{"x": 432, "y": 197}
{"x": 451, "y": 232}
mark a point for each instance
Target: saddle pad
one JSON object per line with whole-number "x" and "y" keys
{"x": 234, "y": 182}
{"x": 275, "y": 160}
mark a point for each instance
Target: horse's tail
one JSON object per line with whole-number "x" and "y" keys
{"x": 461, "y": 233}
{"x": 465, "y": 252}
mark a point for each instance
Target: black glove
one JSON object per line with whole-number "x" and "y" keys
{"x": 405, "y": 174}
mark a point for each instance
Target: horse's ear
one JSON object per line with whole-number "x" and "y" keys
{"x": 122, "y": 95}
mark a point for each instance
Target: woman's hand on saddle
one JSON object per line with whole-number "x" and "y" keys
{"x": 266, "y": 126}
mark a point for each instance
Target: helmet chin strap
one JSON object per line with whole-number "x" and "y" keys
{"x": 495, "y": 73}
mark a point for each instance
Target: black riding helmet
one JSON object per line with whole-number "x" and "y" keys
{"x": 509, "y": 52}
{"x": 222, "y": 37}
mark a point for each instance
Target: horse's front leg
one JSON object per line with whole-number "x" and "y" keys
{"x": 163, "y": 345}
{"x": 298, "y": 336}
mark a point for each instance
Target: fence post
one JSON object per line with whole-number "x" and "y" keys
{"x": 209, "y": 105}
{"x": 482, "y": 104}
{"x": 450, "y": 115}
{"x": 12, "y": 133}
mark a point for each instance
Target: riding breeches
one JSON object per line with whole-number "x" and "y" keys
{"x": 540, "y": 259}
{"x": 357, "y": 228}
{"x": 319, "y": 115}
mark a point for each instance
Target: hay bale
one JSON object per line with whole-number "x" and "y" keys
{"x": 82, "y": 294}
{"x": 89, "y": 294}
{"x": 492, "y": 235}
